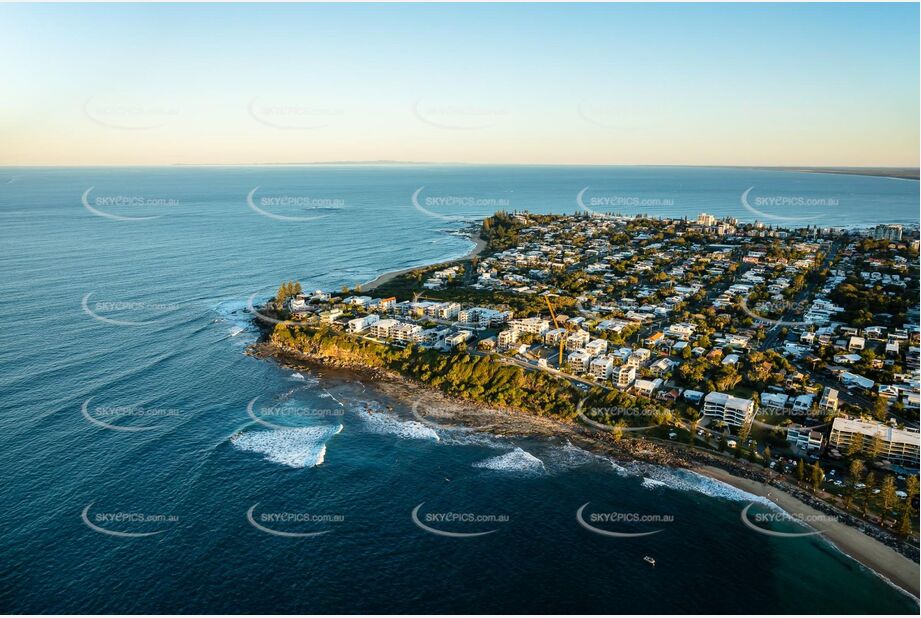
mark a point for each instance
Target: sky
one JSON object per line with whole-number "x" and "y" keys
{"x": 617, "y": 84}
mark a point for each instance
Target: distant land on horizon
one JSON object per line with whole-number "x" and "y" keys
{"x": 908, "y": 173}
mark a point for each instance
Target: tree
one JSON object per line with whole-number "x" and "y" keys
{"x": 887, "y": 492}
{"x": 767, "y": 456}
{"x": 618, "y": 432}
{"x": 800, "y": 470}
{"x": 876, "y": 446}
{"x": 854, "y": 446}
{"x": 911, "y": 487}
{"x": 817, "y": 476}
{"x": 855, "y": 471}
{"x": 905, "y": 523}
{"x": 880, "y": 408}
{"x": 744, "y": 431}
{"x": 870, "y": 482}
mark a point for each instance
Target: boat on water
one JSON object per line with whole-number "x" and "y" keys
{"x": 650, "y": 560}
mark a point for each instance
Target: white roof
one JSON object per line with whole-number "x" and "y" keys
{"x": 886, "y": 432}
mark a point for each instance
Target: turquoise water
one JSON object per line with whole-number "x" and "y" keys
{"x": 140, "y": 324}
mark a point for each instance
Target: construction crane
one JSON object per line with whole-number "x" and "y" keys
{"x": 559, "y": 361}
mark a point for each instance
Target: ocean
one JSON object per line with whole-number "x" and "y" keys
{"x": 151, "y": 466}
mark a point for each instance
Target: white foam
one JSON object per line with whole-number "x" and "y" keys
{"x": 235, "y": 313}
{"x": 297, "y": 376}
{"x": 570, "y": 456}
{"x": 518, "y": 460}
{"x": 382, "y": 423}
{"x": 619, "y": 469}
{"x": 687, "y": 480}
{"x": 462, "y": 437}
{"x": 303, "y": 447}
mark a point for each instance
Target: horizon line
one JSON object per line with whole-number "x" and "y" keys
{"x": 382, "y": 162}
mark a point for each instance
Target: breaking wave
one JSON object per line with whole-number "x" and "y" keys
{"x": 686, "y": 480}
{"x": 518, "y": 460}
{"x": 240, "y": 323}
{"x": 569, "y": 456}
{"x": 297, "y": 448}
{"x": 383, "y": 423}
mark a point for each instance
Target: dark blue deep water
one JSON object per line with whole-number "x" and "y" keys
{"x": 139, "y": 324}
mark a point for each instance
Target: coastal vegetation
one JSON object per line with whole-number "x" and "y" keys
{"x": 483, "y": 379}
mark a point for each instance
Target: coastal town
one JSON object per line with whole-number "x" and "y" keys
{"x": 792, "y": 349}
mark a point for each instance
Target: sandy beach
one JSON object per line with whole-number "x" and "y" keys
{"x": 478, "y": 247}
{"x": 895, "y": 567}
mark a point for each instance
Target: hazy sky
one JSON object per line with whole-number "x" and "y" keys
{"x": 597, "y": 84}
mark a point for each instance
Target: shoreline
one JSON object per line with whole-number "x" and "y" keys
{"x": 432, "y": 407}
{"x": 898, "y": 570}
{"x": 478, "y": 247}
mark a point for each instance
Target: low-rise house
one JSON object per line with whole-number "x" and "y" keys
{"x": 828, "y": 404}
{"x": 802, "y": 404}
{"x": 358, "y": 325}
{"x": 461, "y": 336}
{"x": 647, "y": 387}
{"x": 662, "y": 366}
{"x": 773, "y": 402}
{"x": 805, "y": 439}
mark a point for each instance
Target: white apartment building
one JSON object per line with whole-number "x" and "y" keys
{"x": 507, "y": 338}
{"x": 731, "y": 410}
{"x": 900, "y": 446}
{"x": 887, "y": 232}
{"x": 624, "y": 376}
{"x": 406, "y": 332}
{"x": 577, "y": 340}
{"x": 705, "y": 219}
{"x": 600, "y": 368}
{"x": 596, "y": 347}
{"x": 579, "y": 361}
{"x": 483, "y": 316}
{"x": 534, "y": 326}
{"x": 443, "y": 311}
{"x": 382, "y": 328}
